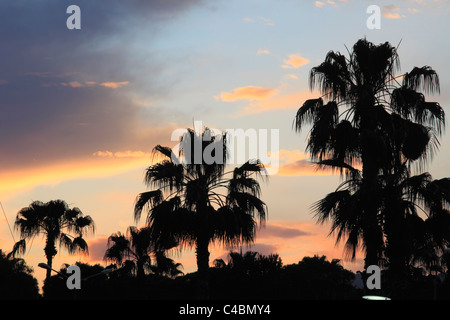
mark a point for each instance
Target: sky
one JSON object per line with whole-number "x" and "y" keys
{"x": 82, "y": 109}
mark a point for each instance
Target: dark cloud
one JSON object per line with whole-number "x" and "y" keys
{"x": 43, "y": 118}
{"x": 281, "y": 232}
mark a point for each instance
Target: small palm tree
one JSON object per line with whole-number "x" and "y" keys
{"x": 55, "y": 220}
{"x": 197, "y": 203}
{"x": 250, "y": 263}
{"x": 133, "y": 251}
{"x": 166, "y": 266}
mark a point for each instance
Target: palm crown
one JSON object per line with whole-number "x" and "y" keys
{"x": 56, "y": 221}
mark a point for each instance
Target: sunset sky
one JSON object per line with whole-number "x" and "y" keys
{"x": 81, "y": 110}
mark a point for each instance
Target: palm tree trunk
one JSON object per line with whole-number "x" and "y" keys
{"x": 371, "y": 230}
{"x": 202, "y": 255}
{"x": 50, "y": 252}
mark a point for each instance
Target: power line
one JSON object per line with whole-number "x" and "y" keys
{"x": 7, "y": 222}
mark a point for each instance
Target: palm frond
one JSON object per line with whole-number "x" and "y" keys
{"x": 79, "y": 245}
{"x": 19, "y": 248}
{"x": 307, "y": 113}
{"x": 424, "y": 78}
{"x": 147, "y": 199}
{"x": 164, "y": 174}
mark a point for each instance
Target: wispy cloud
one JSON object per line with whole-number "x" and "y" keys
{"x": 262, "y": 51}
{"x": 413, "y": 10}
{"x": 109, "y": 84}
{"x": 121, "y": 154}
{"x": 319, "y": 4}
{"x": 292, "y": 76}
{"x": 296, "y": 163}
{"x": 114, "y": 85}
{"x": 280, "y": 231}
{"x": 391, "y": 12}
{"x": 267, "y": 22}
{"x": 276, "y": 102}
{"x": 261, "y": 20}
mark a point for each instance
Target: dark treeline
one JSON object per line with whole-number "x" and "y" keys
{"x": 248, "y": 276}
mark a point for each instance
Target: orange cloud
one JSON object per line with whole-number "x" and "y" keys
{"x": 114, "y": 85}
{"x": 73, "y": 84}
{"x": 295, "y": 163}
{"x": 301, "y": 168}
{"x": 249, "y": 92}
{"x": 14, "y": 181}
{"x": 122, "y": 154}
{"x": 278, "y": 102}
{"x": 295, "y": 61}
{"x": 319, "y": 4}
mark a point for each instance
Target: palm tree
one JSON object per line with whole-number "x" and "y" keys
{"x": 135, "y": 248}
{"x": 134, "y": 252}
{"x": 413, "y": 213}
{"x": 166, "y": 266}
{"x": 366, "y": 117}
{"x": 251, "y": 262}
{"x": 197, "y": 203}
{"x": 55, "y": 220}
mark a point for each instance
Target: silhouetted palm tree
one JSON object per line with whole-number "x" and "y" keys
{"x": 367, "y": 117}
{"x": 196, "y": 202}
{"x": 413, "y": 213}
{"x": 135, "y": 248}
{"x": 166, "y": 266}
{"x": 56, "y": 221}
{"x": 251, "y": 262}
{"x": 134, "y": 251}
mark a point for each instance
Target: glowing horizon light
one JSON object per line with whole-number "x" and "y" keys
{"x": 375, "y": 298}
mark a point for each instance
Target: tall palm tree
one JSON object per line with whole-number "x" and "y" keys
{"x": 197, "y": 203}
{"x": 56, "y": 221}
{"x": 362, "y": 107}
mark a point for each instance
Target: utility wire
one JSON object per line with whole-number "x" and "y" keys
{"x": 7, "y": 222}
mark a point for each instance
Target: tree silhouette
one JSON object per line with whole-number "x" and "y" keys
{"x": 196, "y": 202}
{"x": 367, "y": 117}
{"x": 136, "y": 247}
{"x": 16, "y": 278}
{"x": 414, "y": 216}
{"x": 251, "y": 262}
{"x": 55, "y": 220}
